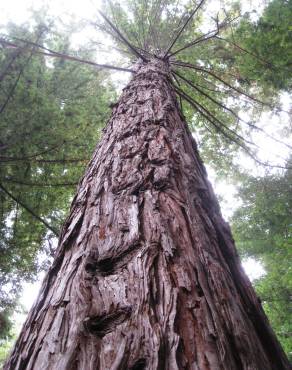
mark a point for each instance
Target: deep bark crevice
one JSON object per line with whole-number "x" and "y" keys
{"x": 104, "y": 324}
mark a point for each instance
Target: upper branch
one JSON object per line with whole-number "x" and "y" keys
{"x": 131, "y": 47}
{"x": 214, "y": 75}
{"x": 207, "y": 36}
{"x": 183, "y": 27}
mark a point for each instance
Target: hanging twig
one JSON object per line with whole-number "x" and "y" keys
{"x": 29, "y": 210}
{"x": 214, "y": 118}
{"x": 211, "y": 73}
{"x": 223, "y": 106}
{"x": 230, "y": 138}
{"x": 183, "y": 27}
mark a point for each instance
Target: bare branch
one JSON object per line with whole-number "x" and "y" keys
{"x": 56, "y": 54}
{"x": 209, "y": 35}
{"x": 183, "y": 27}
{"x": 29, "y": 210}
{"x": 131, "y": 47}
{"x": 195, "y": 42}
{"x": 206, "y": 95}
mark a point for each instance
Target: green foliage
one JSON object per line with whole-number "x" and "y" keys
{"x": 270, "y": 40}
{"x": 52, "y": 112}
{"x": 5, "y": 324}
{"x": 8, "y": 332}
{"x": 5, "y": 347}
{"x": 262, "y": 227}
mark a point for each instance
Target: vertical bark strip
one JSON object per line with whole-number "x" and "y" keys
{"x": 146, "y": 275}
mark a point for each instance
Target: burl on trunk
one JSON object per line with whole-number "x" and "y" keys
{"x": 146, "y": 275}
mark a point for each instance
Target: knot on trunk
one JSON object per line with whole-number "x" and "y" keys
{"x": 104, "y": 324}
{"x": 110, "y": 264}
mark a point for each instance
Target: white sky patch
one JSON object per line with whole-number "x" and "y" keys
{"x": 19, "y": 11}
{"x": 253, "y": 268}
{"x": 226, "y": 192}
{"x": 30, "y": 292}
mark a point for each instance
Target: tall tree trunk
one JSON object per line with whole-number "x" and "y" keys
{"x": 146, "y": 275}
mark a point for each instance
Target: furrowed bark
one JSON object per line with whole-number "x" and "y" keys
{"x": 146, "y": 275}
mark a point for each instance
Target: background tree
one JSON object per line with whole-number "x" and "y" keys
{"x": 52, "y": 112}
{"x": 262, "y": 228}
{"x": 268, "y": 42}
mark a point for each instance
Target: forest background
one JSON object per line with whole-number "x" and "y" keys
{"x": 52, "y": 111}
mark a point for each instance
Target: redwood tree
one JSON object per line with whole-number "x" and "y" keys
{"x": 146, "y": 275}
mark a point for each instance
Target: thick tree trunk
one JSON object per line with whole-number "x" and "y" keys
{"x": 146, "y": 275}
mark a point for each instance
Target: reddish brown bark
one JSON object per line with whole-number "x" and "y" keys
{"x": 146, "y": 275}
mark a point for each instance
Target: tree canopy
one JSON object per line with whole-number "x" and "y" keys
{"x": 263, "y": 230}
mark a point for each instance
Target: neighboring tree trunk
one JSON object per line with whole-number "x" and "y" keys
{"x": 146, "y": 275}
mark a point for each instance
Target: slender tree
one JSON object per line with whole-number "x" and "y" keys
{"x": 146, "y": 275}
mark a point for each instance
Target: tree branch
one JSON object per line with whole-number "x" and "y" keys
{"x": 214, "y": 118}
{"x": 56, "y": 54}
{"x": 131, "y": 47}
{"x": 205, "y": 37}
{"x": 28, "y": 209}
{"x": 230, "y": 138}
{"x": 20, "y": 182}
{"x": 183, "y": 27}
{"x": 251, "y": 125}
{"x": 213, "y": 74}
{"x": 69, "y": 160}
{"x": 268, "y": 64}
